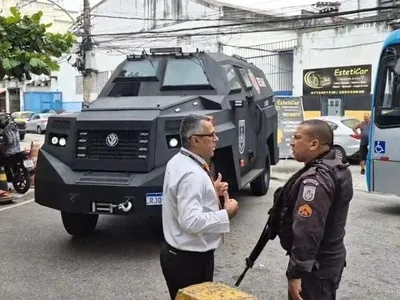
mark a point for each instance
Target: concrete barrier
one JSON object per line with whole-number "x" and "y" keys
{"x": 212, "y": 291}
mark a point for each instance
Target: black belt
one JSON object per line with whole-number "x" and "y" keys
{"x": 177, "y": 251}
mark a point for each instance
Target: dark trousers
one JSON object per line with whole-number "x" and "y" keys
{"x": 314, "y": 288}
{"x": 183, "y": 268}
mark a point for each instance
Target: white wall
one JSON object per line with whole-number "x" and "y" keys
{"x": 111, "y": 51}
{"x": 333, "y": 48}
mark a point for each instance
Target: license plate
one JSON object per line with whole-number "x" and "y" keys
{"x": 28, "y": 163}
{"x": 154, "y": 199}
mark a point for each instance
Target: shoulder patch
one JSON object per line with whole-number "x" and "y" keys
{"x": 312, "y": 181}
{"x": 309, "y": 192}
{"x": 305, "y": 211}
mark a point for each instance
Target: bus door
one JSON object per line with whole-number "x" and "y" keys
{"x": 383, "y": 162}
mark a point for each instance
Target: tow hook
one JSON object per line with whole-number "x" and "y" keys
{"x": 125, "y": 207}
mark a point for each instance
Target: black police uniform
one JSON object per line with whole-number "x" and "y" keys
{"x": 320, "y": 202}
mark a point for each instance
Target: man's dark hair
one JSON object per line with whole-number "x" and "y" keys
{"x": 320, "y": 130}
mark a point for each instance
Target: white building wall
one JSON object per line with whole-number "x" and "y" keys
{"x": 352, "y": 45}
{"x": 332, "y": 48}
{"x": 111, "y": 51}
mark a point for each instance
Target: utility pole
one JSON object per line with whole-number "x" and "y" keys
{"x": 86, "y": 51}
{"x": 84, "y": 60}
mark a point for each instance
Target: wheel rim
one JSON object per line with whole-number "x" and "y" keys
{"x": 339, "y": 154}
{"x": 20, "y": 179}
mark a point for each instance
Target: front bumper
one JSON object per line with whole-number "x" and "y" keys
{"x": 59, "y": 187}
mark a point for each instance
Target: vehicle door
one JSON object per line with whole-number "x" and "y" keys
{"x": 383, "y": 161}
{"x": 32, "y": 123}
{"x": 247, "y": 118}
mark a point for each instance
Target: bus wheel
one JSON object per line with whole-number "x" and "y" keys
{"x": 79, "y": 225}
{"x": 340, "y": 153}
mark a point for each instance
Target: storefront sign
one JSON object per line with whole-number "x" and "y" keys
{"x": 290, "y": 115}
{"x": 350, "y": 80}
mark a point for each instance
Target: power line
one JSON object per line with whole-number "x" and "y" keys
{"x": 231, "y": 18}
{"x": 323, "y": 26}
{"x": 280, "y": 20}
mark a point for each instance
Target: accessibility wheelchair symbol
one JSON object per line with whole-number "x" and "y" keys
{"x": 380, "y": 147}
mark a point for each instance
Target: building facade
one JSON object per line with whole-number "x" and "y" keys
{"x": 331, "y": 67}
{"x": 12, "y": 91}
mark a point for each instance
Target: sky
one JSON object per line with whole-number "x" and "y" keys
{"x": 77, "y": 4}
{"x": 288, "y": 6}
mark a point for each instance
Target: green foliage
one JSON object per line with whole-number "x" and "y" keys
{"x": 26, "y": 46}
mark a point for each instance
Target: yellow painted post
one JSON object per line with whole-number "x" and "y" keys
{"x": 212, "y": 291}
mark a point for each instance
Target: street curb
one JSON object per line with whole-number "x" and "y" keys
{"x": 27, "y": 196}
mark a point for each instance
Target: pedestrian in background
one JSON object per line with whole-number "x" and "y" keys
{"x": 364, "y": 140}
{"x": 194, "y": 220}
{"x": 315, "y": 208}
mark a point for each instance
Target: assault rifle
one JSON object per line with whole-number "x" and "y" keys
{"x": 273, "y": 226}
{"x": 269, "y": 232}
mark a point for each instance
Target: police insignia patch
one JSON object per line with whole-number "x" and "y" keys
{"x": 305, "y": 211}
{"x": 309, "y": 192}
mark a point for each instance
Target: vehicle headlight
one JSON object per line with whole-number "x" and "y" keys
{"x": 58, "y": 140}
{"x": 173, "y": 142}
{"x": 63, "y": 142}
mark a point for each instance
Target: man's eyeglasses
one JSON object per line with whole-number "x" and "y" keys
{"x": 212, "y": 134}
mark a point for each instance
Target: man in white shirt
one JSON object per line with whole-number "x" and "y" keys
{"x": 194, "y": 220}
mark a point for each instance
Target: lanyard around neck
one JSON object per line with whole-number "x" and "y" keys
{"x": 203, "y": 166}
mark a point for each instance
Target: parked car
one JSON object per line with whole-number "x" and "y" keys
{"x": 38, "y": 123}
{"x": 346, "y": 142}
{"x": 22, "y": 115}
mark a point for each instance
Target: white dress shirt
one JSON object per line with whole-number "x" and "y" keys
{"x": 192, "y": 220}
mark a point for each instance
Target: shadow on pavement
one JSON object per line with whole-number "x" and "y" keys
{"x": 120, "y": 236}
{"x": 393, "y": 210}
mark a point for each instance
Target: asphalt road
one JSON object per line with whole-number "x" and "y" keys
{"x": 40, "y": 261}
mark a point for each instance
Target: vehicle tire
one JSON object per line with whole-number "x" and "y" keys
{"x": 22, "y": 136}
{"x": 260, "y": 185}
{"x": 79, "y": 225}
{"x": 21, "y": 179}
{"x": 340, "y": 153}
{"x": 39, "y": 130}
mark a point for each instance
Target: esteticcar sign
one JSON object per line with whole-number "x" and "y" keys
{"x": 348, "y": 80}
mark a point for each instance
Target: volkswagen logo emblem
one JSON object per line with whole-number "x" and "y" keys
{"x": 112, "y": 140}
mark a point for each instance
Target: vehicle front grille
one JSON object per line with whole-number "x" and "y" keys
{"x": 112, "y": 145}
{"x": 60, "y": 124}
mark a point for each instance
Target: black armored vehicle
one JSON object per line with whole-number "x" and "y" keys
{"x": 110, "y": 158}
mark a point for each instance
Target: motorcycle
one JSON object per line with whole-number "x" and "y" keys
{"x": 19, "y": 168}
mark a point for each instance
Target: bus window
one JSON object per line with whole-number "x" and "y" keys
{"x": 387, "y": 104}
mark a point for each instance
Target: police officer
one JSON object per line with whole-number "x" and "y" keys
{"x": 316, "y": 204}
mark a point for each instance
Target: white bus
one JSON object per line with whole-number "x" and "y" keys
{"x": 383, "y": 160}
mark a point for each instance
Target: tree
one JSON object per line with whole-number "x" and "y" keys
{"x": 27, "y": 48}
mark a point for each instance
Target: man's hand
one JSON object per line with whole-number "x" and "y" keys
{"x": 294, "y": 286}
{"x": 231, "y": 205}
{"x": 220, "y": 187}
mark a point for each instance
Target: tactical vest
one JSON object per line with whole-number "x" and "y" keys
{"x": 288, "y": 204}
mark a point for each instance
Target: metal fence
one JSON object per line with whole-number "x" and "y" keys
{"x": 275, "y": 59}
